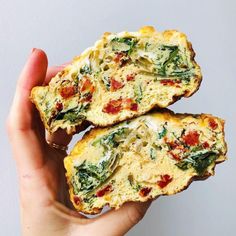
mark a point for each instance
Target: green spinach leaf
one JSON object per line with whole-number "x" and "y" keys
{"x": 90, "y": 176}
{"x": 123, "y": 44}
{"x": 153, "y": 153}
{"x": 199, "y": 162}
{"x": 138, "y": 92}
{"x": 86, "y": 69}
{"x": 163, "y": 133}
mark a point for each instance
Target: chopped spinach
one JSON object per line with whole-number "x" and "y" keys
{"x": 173, "y": 63}
{"x": 199, "y": 161}
{"x": 86, "y": 69}
{"x": 153, "y": 153}
{"x": 74, "y": 114}
{"x": 89, "y": 200}
{"x": 138, "y": 92}
{"x": 163, "y": 133}
{"x": 90, "y": 176}
{"x": 71, "y": 116}
{"x": 135, "y": 185}
{"x": 106, "y": 82}
{"x": 147, "y": 44}
{"x": 123, "y": 44}
{"x": 113, "y": 139}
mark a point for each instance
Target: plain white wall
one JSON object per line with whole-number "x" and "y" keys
{"x": 65, "y": 28}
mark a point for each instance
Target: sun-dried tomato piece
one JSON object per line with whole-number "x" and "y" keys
{"x": 205, "y": 145}
{"x": 175, "y": 156}
{"x": 77, "y": 200}
{"x": 115, "y": 85}
{"x": 167, "y": 82}
{"x": 134, "y": 107}
{"x": 68, "y": 91}
{"x": 86, "y": 85}
{"x": 165, "y": 180}
{"x": 212, "y": 123}
{"x": 105, "y": 190}
{"x": 145, "y": 191}
{"x": 130, "y": 104}
{"x": 130, "y": 77}
{"x": 192, "y": 138}
{"x": 121, "y": 58}
{"x": 59, "y": 106}
{"x": 118, "y": 57}
{"x": 113, "y": 106}
{"x": 172, "y": 145}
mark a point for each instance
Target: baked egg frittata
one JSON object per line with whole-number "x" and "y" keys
{"x": 122, "y": 76}
{"x": 140, "y": 159}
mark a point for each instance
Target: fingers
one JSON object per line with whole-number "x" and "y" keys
{"x": 52, "y": 71}
{"x": 24, "y": 127}
{"x": 119, "y": 222}
{"x": 60, "y": 137}
{"x": 33, "y": 74}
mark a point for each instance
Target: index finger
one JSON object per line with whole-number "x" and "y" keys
{"x": 24, "y": 128}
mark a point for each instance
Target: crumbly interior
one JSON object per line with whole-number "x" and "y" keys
{"x": 155, "y": 154}
{"x": 122, "y": 76}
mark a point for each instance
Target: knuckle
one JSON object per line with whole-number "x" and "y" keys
{"x": 135, "y": 214}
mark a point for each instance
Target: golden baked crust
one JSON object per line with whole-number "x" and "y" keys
{"x": 122, "y": 76}
{"x": 159, "y": 153}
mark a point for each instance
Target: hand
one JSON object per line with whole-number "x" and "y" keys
{"x": 43, "y": 191}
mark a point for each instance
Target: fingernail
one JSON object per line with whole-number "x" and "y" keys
{"x": 33, "y": 49}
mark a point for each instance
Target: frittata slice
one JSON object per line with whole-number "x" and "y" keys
{"x": 152, "y": 155}
{"x": 123, "y": 76}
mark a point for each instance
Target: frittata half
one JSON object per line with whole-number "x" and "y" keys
{"x": 152, "y": 155}
{"x": 122, "y": 76}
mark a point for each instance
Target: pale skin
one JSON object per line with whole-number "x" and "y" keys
{"x": 44, "y": 205}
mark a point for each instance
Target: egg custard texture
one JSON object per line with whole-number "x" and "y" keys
{"x": 122, "y": 76}
{"x": 152, "y": 155}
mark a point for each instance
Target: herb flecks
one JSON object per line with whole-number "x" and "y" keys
{"x": 73, "y": 115}
{"x": 138, "y": 92}
{"x": 134, "y": 184}
{"x": 106, "y": 82}
{"x": 153, "y": 153}
{"x": 163, "y": 133}
{"x": 86, "y": 69}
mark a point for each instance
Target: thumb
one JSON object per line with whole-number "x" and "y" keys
{"x": 119, "y": 222}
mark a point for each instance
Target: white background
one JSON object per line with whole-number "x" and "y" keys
{"x": 65, "y": 28}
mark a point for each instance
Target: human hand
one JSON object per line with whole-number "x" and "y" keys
{"x": 42, "y": 184}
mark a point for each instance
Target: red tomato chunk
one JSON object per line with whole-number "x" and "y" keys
{"x": 113, "y": 107}
{"x": 213, "y": 124}
{"x": 165, "y": 180}
{"x": 77, "y": 200}
{"x": 192, "y": 138}
{"x": 67, "y": 92}
{"x": 115, "y": 85}
{"x": 144, "y": 191}
{"x": 102, "y": 192}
